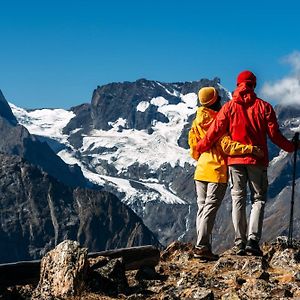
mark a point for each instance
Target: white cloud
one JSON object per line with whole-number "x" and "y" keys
{"x": 293, "y": 59}
{"x": 287, "y": 89}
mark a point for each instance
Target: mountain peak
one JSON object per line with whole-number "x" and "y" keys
{"x": 5, "y": 110}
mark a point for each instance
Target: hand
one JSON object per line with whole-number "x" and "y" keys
{"x": 258, "y": 152}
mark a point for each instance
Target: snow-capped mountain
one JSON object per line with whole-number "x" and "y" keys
{"x": 119, "y": 148}
{"x": 16, "y": 140}
{"x": 132, "y": 141}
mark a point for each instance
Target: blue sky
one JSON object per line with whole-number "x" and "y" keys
{"x": 54, "y": 53}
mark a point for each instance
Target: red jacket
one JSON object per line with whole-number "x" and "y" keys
{"x": 248, "y": 120}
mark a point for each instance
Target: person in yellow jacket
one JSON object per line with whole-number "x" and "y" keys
{"x": 211, "y": 171}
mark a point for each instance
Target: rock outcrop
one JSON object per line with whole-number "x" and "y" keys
{"x": 63, "y": 272}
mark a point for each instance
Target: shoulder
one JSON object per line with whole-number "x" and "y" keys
{"x": 263, "y": 102}
{"x": 200, "y": 112}
{"x": 265, "y": 109}
{"x": 229, "y": 104}
{"x": 227, "y": 107}
{"x": 204, "y": 111}
{"x": 200, "y": 109}
{"x": 204, "y": 116}
{"x": 266, "y": 105}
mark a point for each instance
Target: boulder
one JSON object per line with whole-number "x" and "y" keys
{"x": 246, "y": 265}
{"x": 288, "y": 259}
{"x": 63, "y": 271}
{"x": 108, "y": 276}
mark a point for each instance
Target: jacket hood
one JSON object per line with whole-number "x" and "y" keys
{"x": 205, "y": 116}
{"x": 243, "y": 94}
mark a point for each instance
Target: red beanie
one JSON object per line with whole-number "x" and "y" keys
{"x": 246, "y": 76}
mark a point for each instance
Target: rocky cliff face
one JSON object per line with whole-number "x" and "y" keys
{"x": 37, "y": 212}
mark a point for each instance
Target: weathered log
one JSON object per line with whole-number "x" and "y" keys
{"x": 134, "y": 258}
{"x": 18, "y": 273}
{"x": 28, "y": 272}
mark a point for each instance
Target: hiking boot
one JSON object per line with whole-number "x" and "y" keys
{"x": 205, "y": 254}
{"x": 239, "y": 249}
{"x": 252, "y": 248}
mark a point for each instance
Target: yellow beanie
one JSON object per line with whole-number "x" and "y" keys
{"x": 208, "y": 96}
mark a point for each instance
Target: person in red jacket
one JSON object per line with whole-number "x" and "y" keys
{"x": 248, "y": 120}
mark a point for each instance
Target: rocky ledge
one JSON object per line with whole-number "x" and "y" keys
{"x": 68, "y": 273}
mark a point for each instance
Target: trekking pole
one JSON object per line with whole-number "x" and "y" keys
{"x": 290, "y": 237}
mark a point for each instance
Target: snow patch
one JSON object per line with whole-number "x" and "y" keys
{"x": 282, "y": 155}
{"x": 167, "y": 196}
{"x": 44, "y": 122}
{"x": 134, "y": 146}
{"x": 159, "y": 101}
{"x": 294, "y": 125}
{"x": 174, "y": 93}
{"x": 142, "y": 106}
{"x": 158, "y": 191}
{"x": 120, "y": 122}
{"x": 177, "y": 115}
{"x": 190, "y": 99}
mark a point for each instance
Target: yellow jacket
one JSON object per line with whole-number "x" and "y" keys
{"x": 211, "y": 165}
